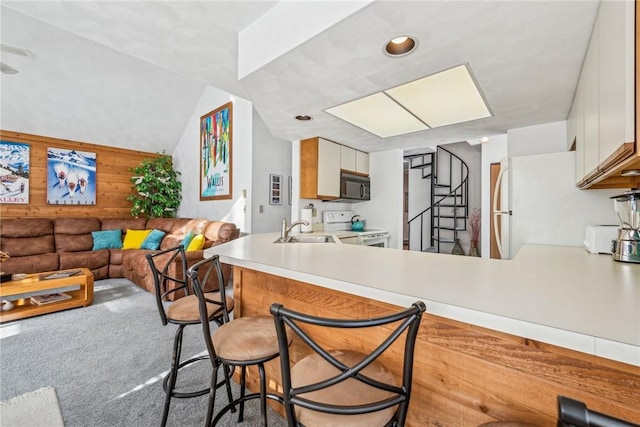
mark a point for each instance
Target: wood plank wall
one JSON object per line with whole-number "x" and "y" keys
{"x": 464, "y": 375}
{"x": 112, "y": 179}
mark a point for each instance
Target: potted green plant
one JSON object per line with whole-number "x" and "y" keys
{"x": 157, "y": 191}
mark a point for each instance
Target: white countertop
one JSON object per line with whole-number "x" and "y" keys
{"x": 560, "y": 295}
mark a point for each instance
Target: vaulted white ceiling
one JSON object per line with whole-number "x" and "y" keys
{"x": 122, "y": 73}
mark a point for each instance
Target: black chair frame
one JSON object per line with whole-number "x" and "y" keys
{"x": 229, "y": 365}
{"x": 574, "y": 413}
{"x": 409, "y": 321}
{"x": 161, "y": 280}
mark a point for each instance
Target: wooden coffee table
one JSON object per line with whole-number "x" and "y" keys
{"x": 19, "y": 292}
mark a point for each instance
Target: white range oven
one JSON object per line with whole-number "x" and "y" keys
{"x": 339, "y": 223}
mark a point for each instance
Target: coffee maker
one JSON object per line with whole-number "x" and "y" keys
{"x": 627, "y": 246}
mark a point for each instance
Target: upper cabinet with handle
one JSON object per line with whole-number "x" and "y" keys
{"x": 602, "y": 121}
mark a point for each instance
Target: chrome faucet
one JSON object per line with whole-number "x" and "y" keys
{"x": 284, "y": 231}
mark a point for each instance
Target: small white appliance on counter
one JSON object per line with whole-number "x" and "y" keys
{"x": 339, "y": 223}
{"x": 599, "y": 238}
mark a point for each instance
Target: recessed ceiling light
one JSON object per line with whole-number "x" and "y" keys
{"x": 400, "y": 46}
{"x": 484, "y": 139}
{"x": 303, "y": 118}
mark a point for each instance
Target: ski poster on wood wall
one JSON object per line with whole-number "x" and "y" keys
{"x": 215, "y": 153}
{"x": 14, "y": 172}
{"x": 71, "y": 177}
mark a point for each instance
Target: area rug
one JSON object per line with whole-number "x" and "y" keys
{"x": 38, "y": 408}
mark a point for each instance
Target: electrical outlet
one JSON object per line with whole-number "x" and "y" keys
{"x": 261, "y": 208}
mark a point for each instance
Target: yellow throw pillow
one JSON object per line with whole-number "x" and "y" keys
{"x": 134, "y": 238}
{"x": 196, "y": 243}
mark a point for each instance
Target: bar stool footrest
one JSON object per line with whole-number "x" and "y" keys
{"x": 186, "y": 394}
{"x": 250, "y": 396}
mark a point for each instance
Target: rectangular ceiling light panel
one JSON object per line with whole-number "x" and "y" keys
{"x": 442, "y": 99}
{"x": 379, "y": 115}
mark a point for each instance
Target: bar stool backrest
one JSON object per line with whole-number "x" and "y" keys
{"x": 408, "y": 322}
{"x": 198, "y": 280}
{"x": 165, "y": 284}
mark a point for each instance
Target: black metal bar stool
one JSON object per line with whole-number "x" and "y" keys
{"x": 183, "y": 311}
{"x": 344, "y": 387}
{"x": 242, "y": 342}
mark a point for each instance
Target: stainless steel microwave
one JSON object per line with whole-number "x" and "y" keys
{"x": 354, "y": 187}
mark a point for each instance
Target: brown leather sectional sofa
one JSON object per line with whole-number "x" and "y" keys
{"x": 45, "y": 244}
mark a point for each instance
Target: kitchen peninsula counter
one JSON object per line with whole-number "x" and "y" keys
{"x": 500, "y": 339}
{"x": 559, "y": 295}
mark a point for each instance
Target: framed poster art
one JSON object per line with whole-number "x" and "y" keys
{"x": 275, "y": 189}
{"x": 216, "y": 140}
{"x": 71, "y": 177}
{"x": 14, "y": 172}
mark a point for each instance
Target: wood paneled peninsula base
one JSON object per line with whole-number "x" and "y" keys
{"x": 19, "y": 292}
{"x": 465, "y": 375}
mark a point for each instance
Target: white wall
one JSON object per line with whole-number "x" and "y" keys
{"x": 186, "y": 158}
{"x": 270, "y": 156}
{"x": 419, "y": 200}
{"x": 384, "y": 210}
{"x": 540, "y": 139}
{"x": 559, "y": 211}
{"x": 81, "y": 90}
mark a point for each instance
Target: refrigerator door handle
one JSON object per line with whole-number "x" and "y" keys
{"x": 496, "y": 212}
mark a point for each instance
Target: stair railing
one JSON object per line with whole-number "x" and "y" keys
{"x": 458, "y": 194}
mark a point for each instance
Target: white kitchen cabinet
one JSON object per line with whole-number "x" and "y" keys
{"x": 616, "y": 76}
{"x": 354, "y": 160}
{"x": 362, "y": 162}
{"x": 591, "y": 93}
{"x": 319, "y": 169}
{"x": 347, "y": 158}
{"x": 603, "y": 115}
{"x": 328, "y": 168}
{"x": 575, "y": 129}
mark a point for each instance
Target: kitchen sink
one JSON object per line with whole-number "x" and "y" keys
{"x": 307, "y": 239}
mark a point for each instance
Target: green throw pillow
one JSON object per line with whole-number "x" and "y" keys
{"x": 107, "y": 239}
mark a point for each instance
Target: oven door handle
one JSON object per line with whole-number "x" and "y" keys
{"x": 374, "y": 237}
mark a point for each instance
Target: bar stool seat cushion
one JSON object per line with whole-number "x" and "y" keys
{"x": 314, "y": 368}
{"x": 186, "y": 308}
{"x": 246, "y": 339}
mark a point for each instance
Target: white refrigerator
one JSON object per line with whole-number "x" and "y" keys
{"x": 536, "y": 201}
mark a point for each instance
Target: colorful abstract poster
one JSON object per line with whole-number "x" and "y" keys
{"x": 14, "y": 172}
{"x": 71, "y": 177}
{"x": 215, "y": 154}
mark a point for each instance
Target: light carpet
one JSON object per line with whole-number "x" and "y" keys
{"x": 39, "y": 408}
{"x": 107, "y": 362}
